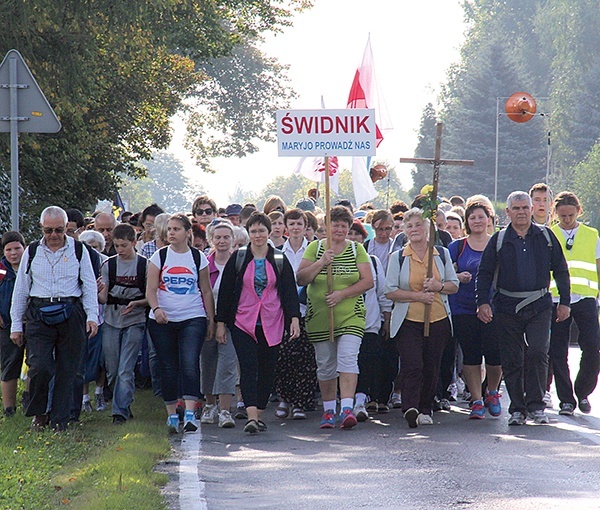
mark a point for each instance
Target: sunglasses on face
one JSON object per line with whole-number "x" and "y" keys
{"x": 58, "y": 230}
{"x": 200, "y": 212}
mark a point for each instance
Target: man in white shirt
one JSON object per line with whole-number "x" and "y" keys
{"x": 56, "y": 295}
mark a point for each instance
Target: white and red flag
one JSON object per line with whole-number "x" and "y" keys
{"x": 365, "y": 93}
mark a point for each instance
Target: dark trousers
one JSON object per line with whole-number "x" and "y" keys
{"x": 53, "y": 351}
{"x": 257, "y": 366}
{"x": 178, "y": 346}
{"x": 378, "y": 365}
{"x": 514, "y": 329}
{"x": 447, "y": 366}
{"x": 420, "y": 362}
{"x": 585, "y": 314}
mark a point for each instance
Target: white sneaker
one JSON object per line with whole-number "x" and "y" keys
{"x": 396, "y": 401}
{"x": 225, "y": 420}
{"x": 548, "y": 400}
{"x": 209, "y": 414}
{"x": 424, "y": 419}
{"x": 360, "y": 412}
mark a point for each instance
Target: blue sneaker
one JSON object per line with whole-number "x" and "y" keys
{"x": 173, "y": 424}
{"x": 328, "y": 419}
{"x": 477, "y": 410}
{"x": 190, "y": 424}
{"x": 347, "y": 418}
{"x": 492, "y": 402}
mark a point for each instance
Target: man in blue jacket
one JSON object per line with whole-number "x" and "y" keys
{"x": 517, "y": 263}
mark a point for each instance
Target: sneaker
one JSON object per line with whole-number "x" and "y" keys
{"x": 517, "y": 418}
{"x": 190, "y": 423}
{"x": 251, "y": 427}
{"x": 477, "y": 410}
{"x": 383, "y": 409}
{"x": 424, "y": 419}
{"x": 240, "y": 413}
{"x": 225, "y": 420}
{"x": 585, "y": 406}
{"x": 198, "y": 410}
{"x": 86, "y": 407}
{"x": 539, "y": 417}
{"x": 347, "y": 418}
{"x": 298, "y": 414}
{"x": 328, "y": 419}
{"x": 492, "y": 402}
{"x": 548, "y": 400}
{"x": 173, "y": 423}
{"x": 361, "y": 413}
{"x": 566, "y": 409}
{"x": 9, "y": 411}
{"x": 411, "y": 417}
{"x": 396, "y": 401}
{"x": 100, "y": 402}
{"x": 209, "y": 414}
{"x": 118, "y": 419}
{"x": 444, "y": 404}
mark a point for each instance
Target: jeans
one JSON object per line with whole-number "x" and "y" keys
{"x": 121, "y": 347}
{"x": 178, "y": 346}
{"x": 514, "y": 329}
{"x": 585, "y": 314}
{"x": 53, "y": 352}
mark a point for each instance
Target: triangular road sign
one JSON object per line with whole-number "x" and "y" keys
{"x": 34, "y": 112}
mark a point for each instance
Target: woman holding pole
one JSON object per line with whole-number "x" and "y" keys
{"x": 336, "y": 357}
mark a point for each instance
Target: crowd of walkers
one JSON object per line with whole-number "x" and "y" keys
{"x": 234, "y": 308}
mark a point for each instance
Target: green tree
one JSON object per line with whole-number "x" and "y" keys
{"x": 115, "y": 73}
{"x": 422, "y": 174}
{"x": 586, "y": 185}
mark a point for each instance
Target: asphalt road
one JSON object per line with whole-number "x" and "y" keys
{"x": 455, "y": 464}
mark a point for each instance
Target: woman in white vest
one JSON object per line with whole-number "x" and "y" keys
{"x": 581, "y": 247}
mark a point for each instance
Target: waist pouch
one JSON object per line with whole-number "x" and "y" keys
{"x": 55, "y": 314}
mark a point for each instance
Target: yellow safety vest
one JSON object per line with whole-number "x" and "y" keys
{"x": 581, "y": 260}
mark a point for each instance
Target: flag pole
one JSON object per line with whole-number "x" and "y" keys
{"x": 328, "y": 230}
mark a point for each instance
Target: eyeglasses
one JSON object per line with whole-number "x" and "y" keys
{"x": 570, "y": 243}
{"x": 208, "y": 211}
{"x": 57, "y": 230}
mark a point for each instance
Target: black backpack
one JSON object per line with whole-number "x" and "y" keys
{"x": 32, "y": 250}
{"x": 112, "y": 281}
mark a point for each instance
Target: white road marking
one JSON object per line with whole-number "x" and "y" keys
{"x": 192, "y": 493}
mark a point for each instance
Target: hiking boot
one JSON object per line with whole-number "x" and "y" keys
{"x": 86, "y": 407}
{"x": 100, "y": 402}
{"x": 118, "y": 419}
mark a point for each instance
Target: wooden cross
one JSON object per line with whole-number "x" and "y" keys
{"x": 436, "y": 161}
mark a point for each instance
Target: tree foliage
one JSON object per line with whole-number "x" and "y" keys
{"x": 115, "y": 73}
{"x": 549, "y": 48}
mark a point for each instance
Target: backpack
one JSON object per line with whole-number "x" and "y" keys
{"x": 32, "y": 250}
{"x": 162, "y": 253}
{"x": 112, "y": 281}
{"x": 241, "y": 256}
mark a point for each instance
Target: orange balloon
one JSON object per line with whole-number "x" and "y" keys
{"x": 378, "y": 172}
{"x": 520, "y": 107}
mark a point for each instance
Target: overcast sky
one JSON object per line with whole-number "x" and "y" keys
{"x": 414, "y": 42}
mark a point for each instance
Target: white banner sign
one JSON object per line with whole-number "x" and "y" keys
{"x": 349, "y": 132}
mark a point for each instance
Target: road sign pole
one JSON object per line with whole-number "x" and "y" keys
{"x": 14, "y": 144}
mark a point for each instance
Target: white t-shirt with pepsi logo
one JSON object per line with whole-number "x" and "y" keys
{"x": 178, "y": 293}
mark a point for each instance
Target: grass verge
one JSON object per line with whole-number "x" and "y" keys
{"x": 93, "y": 465}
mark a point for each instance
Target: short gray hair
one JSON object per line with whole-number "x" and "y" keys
{"x": 415, "y": 212}
{"x": 54, "y": 211}
{"x": 518, "y": 196}
{"x": 93, "y": 236}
